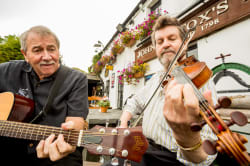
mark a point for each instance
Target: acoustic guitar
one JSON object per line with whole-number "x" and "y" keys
{"x": 127, "y": 143}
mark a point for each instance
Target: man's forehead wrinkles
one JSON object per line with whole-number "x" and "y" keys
{"x": 41, "y": 46}
{"x": 36, "y": 46}
{"x": 166, "y": 36}
{"x": 51, "y": 45}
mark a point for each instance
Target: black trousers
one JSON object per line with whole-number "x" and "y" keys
{"x": 16, "y": 152}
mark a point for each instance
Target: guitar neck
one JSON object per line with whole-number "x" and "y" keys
{"x": 125, "y": 143}
{"x": 37, "y": 132}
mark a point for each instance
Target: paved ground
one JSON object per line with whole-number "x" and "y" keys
{"x": 88, "y": 163}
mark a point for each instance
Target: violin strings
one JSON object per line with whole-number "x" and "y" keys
{"x": 204, "y": 105}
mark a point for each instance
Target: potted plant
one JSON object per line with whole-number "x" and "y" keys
{"x": 104, "y": 104}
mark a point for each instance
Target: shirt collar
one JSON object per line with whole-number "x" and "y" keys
{"x": 28, "y": 68}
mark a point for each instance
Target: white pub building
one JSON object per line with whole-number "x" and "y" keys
{"x": 222, "y": 40}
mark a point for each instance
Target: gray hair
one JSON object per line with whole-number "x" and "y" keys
{"x": 41, "y": 30}
{"x": 164, "y": 21}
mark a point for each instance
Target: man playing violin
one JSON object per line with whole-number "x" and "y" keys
{"x": 167, "y": 118}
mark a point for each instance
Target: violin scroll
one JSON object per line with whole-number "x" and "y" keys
{"x": 228, "y": 142}
{"x": 222, "y": 146}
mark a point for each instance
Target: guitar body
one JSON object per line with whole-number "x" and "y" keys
{"x": 14, "y": 107}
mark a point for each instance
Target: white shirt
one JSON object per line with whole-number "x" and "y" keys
{"x": 154, "y": 124}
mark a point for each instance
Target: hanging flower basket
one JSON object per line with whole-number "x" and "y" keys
{"x": 97, "y": 67}
{"x": 138, "y": 74}
{"x": 130, "y": 43}
{"x": 117, "y": 47}
{"x": 109, "y": 67}
{"x": 121, "y": 49}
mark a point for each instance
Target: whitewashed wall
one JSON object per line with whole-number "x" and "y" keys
{"x": 234, "y": 40}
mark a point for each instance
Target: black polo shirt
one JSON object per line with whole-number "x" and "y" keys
{"x": 71, "y": 100}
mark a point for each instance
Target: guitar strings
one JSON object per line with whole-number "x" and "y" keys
{"x": 44, "y": 132}
{"x": 44, "y": 129}
{"x": 87, "y": 143}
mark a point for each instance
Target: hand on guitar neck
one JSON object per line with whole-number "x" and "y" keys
{"x": 54, "y": 148}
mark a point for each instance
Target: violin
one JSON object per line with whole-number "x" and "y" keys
{"x": 197, "y": 74}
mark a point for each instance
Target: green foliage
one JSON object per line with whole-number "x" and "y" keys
{"x": 94, "y": 67}
{"x": 104, "y": 103}
{"x": 90, "y": 69}
{"x": 96, "y": 58}
{"x": 10, "y": 48}
{"x": 76, "y": 68}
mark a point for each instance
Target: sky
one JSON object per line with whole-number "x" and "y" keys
{"x": 79, "y": 24}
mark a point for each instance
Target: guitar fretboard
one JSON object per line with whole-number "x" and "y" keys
{"x": 36, "y": 132}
